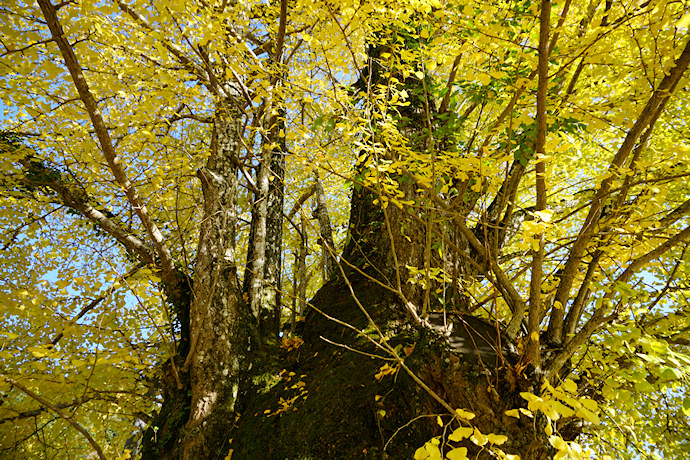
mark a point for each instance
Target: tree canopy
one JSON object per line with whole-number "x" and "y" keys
{"x": 180, "y": 178}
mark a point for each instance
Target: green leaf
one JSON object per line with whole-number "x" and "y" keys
{"x": 318, "y": 121}
{"x": 670, "y": 373}
{"x": 686, "y": 406}
{"x": 330, "y": 124}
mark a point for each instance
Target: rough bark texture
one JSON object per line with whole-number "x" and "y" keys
{"x": 302, "y": 278}
{"x": 218, "y": 343}
{"x": 270, "y": 311}
{"x": 330, "y": 267}
{"x": 262, "y": 281}
{"x": 343, "y": 417}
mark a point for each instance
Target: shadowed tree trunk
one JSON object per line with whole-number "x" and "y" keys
{"x": 326, "y": 234}
{"x": 334, "y": 400}
{"x": 262, "y": 282}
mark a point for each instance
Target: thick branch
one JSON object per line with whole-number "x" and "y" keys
{"x": 42, "y": 409}
{"x": 643, "y": 260}
{"x": 449, "y": 85}
{"x": 102, "y": 133}
{"x": 540, "y": 182}
{"x": 301, "y": 200}
{"x": 78, "y": 202}
{"x": 505, "y": 195}
{"x": 556, "y": 364}
{"x": 675, "y": 215}
{"x": 280, "y": 39}
{"x": 583, "y": 293}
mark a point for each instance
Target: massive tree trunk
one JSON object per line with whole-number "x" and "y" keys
{"x": 336, "y": 399}
{"x": 342, "y": 410}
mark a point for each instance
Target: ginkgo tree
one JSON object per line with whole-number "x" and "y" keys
{"x": 512, "y": 281}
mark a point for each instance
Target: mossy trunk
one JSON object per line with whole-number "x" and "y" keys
{"x": 327, "y": 402}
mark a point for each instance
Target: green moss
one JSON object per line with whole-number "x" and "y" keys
{"x": 266, "y": 381}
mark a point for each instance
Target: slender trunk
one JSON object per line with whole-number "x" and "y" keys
{"x": 302, "y": 268}
{"x": 299, "y": 278}
{"x": 264, "y": 256}
{"x": 295, "y": 294}
{"x": 330, "y": 267}
{"x": 269, "y": 322}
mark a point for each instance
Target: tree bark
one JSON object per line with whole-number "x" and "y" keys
{"x": 219, "y": 338}
{"x": 342, "y": 411}
{"x": 262, "y": 281}
{"x": 329, "y": 261}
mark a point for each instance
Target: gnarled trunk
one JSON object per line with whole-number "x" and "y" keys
{"x": 328, "y": 402}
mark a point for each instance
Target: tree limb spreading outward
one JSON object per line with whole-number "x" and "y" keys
{"x": 114, "y": 162}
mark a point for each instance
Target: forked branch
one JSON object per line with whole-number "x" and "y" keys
{"x": 655, "y": 103}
